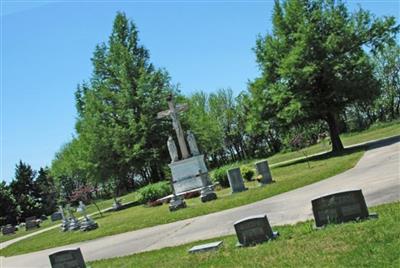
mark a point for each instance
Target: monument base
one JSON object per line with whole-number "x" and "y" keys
{"x": 186, "y": 173}
{"x": 207, "y": 194}
{"x": 88, "y": 224}
{"x": 176, "y": 203}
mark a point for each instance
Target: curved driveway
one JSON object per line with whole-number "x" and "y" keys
{"x": 377, "y": 174}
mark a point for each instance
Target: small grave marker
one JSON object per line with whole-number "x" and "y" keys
{"x": 56, "y": 216}
{"x": 206, "y": 247}
{"x": 254, "y": 230}
{"x": 31, "y": 223}
{"x": 70, "y": 258}
{"x": 339, "y": 207}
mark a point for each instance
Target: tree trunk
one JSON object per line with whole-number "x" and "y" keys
{"x": 334, "y": 133}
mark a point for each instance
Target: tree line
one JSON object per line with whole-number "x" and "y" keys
{"x": 323, "y": 71}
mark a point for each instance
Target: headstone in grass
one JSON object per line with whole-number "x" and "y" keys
{"x": 56, "y": 216}
{"x": 8, "y": 229}
{"x": 340, "y": 207}
{"x": 70, "y": 258}
{"x": 263, "y": 170}
{"x": 31, "y": 223}
{"x": 206, "y": 247}
{"x": 235, "y": 180}
{"x": 253, "y": 230}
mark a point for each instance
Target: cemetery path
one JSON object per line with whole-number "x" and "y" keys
{"x": 377, "y": 174}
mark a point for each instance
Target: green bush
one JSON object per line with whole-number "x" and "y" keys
{"x": 247, "y": 173}
{"x": 220, "y": 175}
{"x": 154, "y": 191}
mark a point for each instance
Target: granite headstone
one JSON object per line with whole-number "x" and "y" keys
{"x": 236, "y": 180}
{"x": 253, "y": 230}
{"x": 31, "y": 223}
{"x": 339, "y": 207}
{"x": 56, "y": 216}
{"x": 263, "y": 170}
{"x": 8, "y": 229}
{"x": 70, "y": 258}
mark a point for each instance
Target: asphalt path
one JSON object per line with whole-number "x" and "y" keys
{"x": 376, "y": 174}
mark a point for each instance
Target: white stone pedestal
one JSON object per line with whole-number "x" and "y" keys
{"x": 186, "y": 173}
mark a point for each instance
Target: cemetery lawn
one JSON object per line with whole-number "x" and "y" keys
{"x": 369, "y": 243}
{"x": 287, "y": 177}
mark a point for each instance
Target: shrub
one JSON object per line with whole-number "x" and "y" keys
{"x": 152, "y": 192}
{"x": 247, "y": 173}
{"x": 220, "y": 175}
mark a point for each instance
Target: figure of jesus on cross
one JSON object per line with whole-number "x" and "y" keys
{"x": 173, "y": 112}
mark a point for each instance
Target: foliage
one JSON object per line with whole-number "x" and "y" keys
{"x": 314, "y": 63}
{"x": 25, "y": 191}
{"x": 154, "y": 191}
{"x": 118, "y": 135}
{"x": 47, "y": 191}
{"x": 9, "y": 209}
{"x": 220, "y": 175}
{"x": 247, "y": 173}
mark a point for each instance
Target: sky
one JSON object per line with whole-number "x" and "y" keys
{"x": 46, "y": 48}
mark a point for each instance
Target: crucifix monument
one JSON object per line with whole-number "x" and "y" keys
{"x": 190, "y": 172}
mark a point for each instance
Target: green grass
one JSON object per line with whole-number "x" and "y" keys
{"x": 370, "y": 243}
{"x": 287, "y": 177}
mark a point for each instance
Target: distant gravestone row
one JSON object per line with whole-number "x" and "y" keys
{"x": 333, "y": 208}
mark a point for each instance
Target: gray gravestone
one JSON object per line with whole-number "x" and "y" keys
{"x": 236, "y": 180}
{"x": 8, "y": 229}
{"x": 253, "y": 230}
{"x": 56, "y": 216}
{"x": 31, "y": 223}
{"x": 339, "y": 207}
{"x": 206, "y": 247}
{"x": 70, "y": 258}
{"x": 263, "y": 170}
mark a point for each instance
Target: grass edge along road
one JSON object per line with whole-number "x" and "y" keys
{"x": 369, "y": 243}
{"x": 288, "y": 177}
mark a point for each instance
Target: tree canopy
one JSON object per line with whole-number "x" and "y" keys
{"x": 315, "y": 63}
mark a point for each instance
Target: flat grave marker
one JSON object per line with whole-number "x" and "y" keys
{"x": 254, "y": 230}
{"x": 340, "y": 207}
{"x": 206, "y": 247}
{"x": 70, "y": 258}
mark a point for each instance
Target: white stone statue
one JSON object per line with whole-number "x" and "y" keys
{"x": 192, "y": 143}
{"x": 173, "y": 152}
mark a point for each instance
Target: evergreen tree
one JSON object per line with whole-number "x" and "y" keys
{"x": 119, "y": 136}
{"x": 314, "y": 63}
{"x": 25, "y": 192}
{"x": 47, "y": 191}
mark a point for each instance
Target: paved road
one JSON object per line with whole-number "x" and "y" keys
{"x": 377, "y": 174}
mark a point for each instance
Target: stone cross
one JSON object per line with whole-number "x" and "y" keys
{"x": 173, "y": 112}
